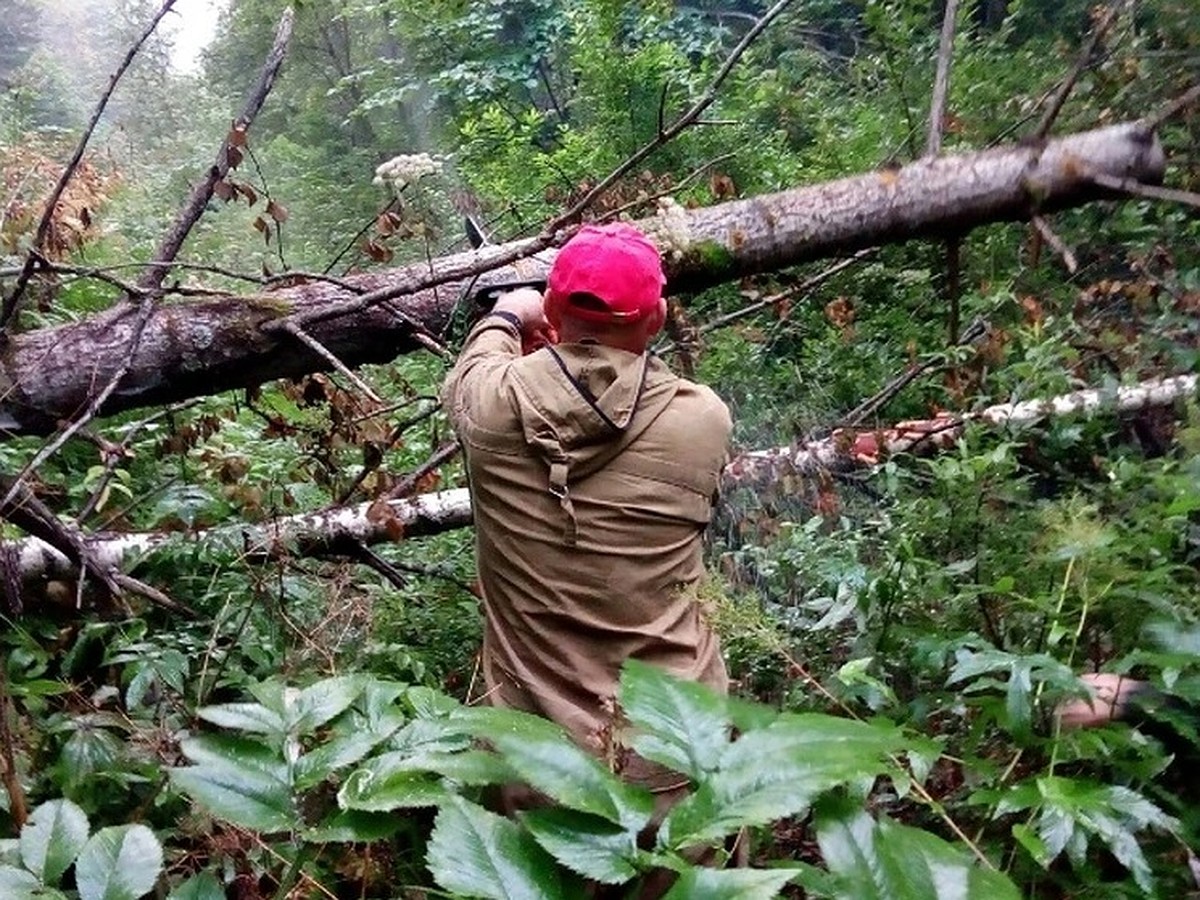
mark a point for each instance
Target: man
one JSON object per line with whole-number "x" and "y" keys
{"x": 592, "y": 471}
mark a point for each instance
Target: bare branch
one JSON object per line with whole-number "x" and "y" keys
{"x": 1050, "y": 237}
{"x": 202, "y": 193}
{"x": 1149, "y": 191}
{"x": 675, "y": 188}
{"x": 1175, "y": 107}
{"x": 440, "y": 457}
{"x": 884, "y": 395}
{"x": 1064, "y": 89}
{"x": 320, "y": 349}
{"x": 396, "y": 433}
{"x": 941, "y": 83}
{"x": 9, "y": 306}
{"x": 775, "y": 299}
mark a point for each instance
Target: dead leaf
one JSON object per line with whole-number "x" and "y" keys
{"x": 234, "y": 155}
{"x": 722, "y": 186}
{"x": 248, "y": 192}
{"x": 381, "y": 253}
{"x": 277, "y": 211}
{"x": 840, "y": 312}
{"x": 224, "y": 190}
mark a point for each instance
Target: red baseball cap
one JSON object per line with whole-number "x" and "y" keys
{"x": 616, "y": 264}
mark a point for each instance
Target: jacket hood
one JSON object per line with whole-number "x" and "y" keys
{"x": 583, "y": 403}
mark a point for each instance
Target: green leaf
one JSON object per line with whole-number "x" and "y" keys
{"x": 777, "y": 772}
{"x": 17, "y": 884}
{"x": 372, "y": 790}
{"x": 239, "y": 781}
{"x": 88, "y": 751}
{"x": 52, "y": 838}
{"x": 204, "y": 886}
{"x": 887, "y": 861}
{"x": 40, "y": 687}
{"x": 729, "y": 884}
{"x": 685, "y": 725}
{"x": 1074, "y": 809}
{"x": 1033, "y": 844}
{"x": 251, "y": 717}
{"x": 323, "y": 701}
{"x": 354, "y": 826}
{"x": 480, "y": 854}
{"x": 546, "y": 758}
{"x": 587, "y": 844}
{"x": 317, "y": 765}
{"x": 118, "y": 863}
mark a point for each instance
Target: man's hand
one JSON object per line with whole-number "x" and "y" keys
{"x": 1110, "y": 700}
{"x": 528, "y": 306}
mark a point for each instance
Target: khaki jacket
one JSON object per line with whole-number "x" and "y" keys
{"x": 592, "y": 474}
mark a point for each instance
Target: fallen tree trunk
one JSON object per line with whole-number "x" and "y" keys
{"x": 202, "y": 347}
{"x": 333, "y": 531}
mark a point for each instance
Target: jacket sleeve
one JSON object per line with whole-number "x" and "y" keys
{"x": 476, "y": 379}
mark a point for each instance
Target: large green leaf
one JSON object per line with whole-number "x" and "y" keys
{"x": 319, "y": 703}
{"x": 118, "y": 863}
{"x": 338, "y": 752}
{"x": 479, "y": 854}
{"x": 884, "y": 860}
{"x": 587, "y": 844}
{"x": 18, "y": 884}
{"x": 372, "y": 790}
{"x": 778, "y": 771}
{"x": 204, "y": 886}
{"x": 238, "y": 781}
{"x": 545, "y": 757}
{"x": 729, "y": 884}
{"x": 684, "y": 725}
{"x": 52, "y": 838}
{"x": 250, "y": 717}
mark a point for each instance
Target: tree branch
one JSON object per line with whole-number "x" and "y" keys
{"x": 227, "y": 157}
{"x": 1174, "y": 108}
{"x": 1068, "y": 84}
{"x": 9, "y": 306}
{"x": 1149, "y": 191}
{"x": 941, "y": 83}
{"x": 1050, "y": 237}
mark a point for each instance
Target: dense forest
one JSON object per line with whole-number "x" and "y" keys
{"x": 941, "y": 260}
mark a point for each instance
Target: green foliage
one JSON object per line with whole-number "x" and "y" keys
{"x": 116, "y": 863}
{"x": 425, "y": 750}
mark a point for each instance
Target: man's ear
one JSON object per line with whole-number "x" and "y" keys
{"x": 553, "y": 312}
{"x": 656, "y": 319}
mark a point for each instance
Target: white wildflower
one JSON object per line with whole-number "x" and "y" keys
{"x": 404, "y": 169}
{"x": 671, "y": 228}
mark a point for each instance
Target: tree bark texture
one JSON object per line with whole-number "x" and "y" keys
{"x": 332, "y": 531}
{"x": 202, "y": 347}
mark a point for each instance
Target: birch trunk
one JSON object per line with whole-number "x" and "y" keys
{"x": 380, "y": 522}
